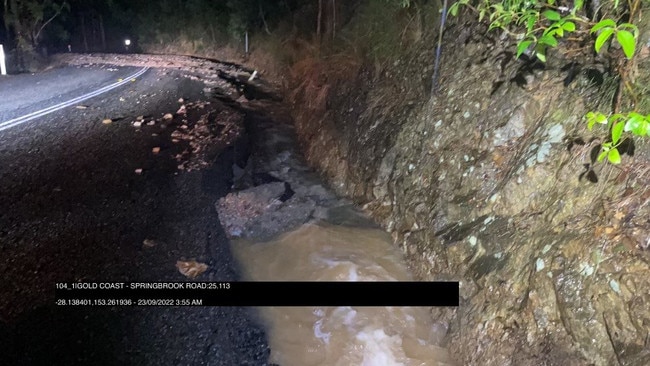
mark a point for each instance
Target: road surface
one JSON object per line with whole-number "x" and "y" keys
{"x": 72, "y": 208}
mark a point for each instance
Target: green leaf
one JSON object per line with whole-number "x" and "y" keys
{"x": 569, "y": 26}
{"x": 632, "y": 27}
{"x": 609, "y": 23}
{"x": 643, "y": 129}
{"x": 577, "y": 5}
{"x": 552, "y": 15}
{"x": 617, "y": 131}
{"x": 602, "y": 38}
{"x": 530, "y": 24}
{"x": 453, "y": 10}
{"x": 635, "y": 123}
{"x": 591, "y": 120}
{"x": 602, "y": 155}
{"x": 522, "y": 47}
{"x": 540, "y": 56}
{"x": 627, "y": 41}
{"x": 614, "y": 156}
{"x": 616, "y": 117}
{"x": 548, "y": 40}
{"x": 590, "y": 123}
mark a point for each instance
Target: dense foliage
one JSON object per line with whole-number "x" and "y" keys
{"x": 95, "y": 25}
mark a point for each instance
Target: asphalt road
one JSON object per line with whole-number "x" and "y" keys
{"x": 72, "y": 208}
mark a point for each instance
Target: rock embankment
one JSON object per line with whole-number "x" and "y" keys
{"x": 487, "y": 182}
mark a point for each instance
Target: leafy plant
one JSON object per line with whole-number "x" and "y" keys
{"x": 557, "y": 28}
{"x": 633, "y": 122}
{"x": 626, "y": 35}
{"x": 541, "y": 24}
{"x": 636, "y": 123}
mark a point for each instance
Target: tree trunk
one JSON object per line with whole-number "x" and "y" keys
{"x": 318, "y": 21}
{"x": 102, "y": 32}
{"x": 333, "y": 19}
{"x": 266, "y": 26}
{"x": 93, "y": 28}
{"x": 83, "y": 32}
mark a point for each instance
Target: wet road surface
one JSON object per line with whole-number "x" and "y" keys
{"x": 73, "y": 209}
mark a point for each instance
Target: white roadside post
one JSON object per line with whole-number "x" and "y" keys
{"x": 3, "y": 68}
{"x": 246, "y": 43}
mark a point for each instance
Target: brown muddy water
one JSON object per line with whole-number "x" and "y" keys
{"x": 306, "y": 336}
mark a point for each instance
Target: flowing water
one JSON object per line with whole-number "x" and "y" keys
{"x": 305, "y": 336}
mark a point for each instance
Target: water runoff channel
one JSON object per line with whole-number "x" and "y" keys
{"x": 284, "y": 225}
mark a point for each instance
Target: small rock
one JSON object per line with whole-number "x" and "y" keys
{"x": 168, "y": 117}
{"x": 148, "y": 243}
{"x": 139, "y": 118}
{"x": 107, "y": 121}
{"x": 155, "y": 150}
{"x": 151, "y": 123}
{"x": 615, "y": 286}
{"x": 191, "y": 269}
{"x": 81, "y": 106}
{"x": 138, "y": 171}
{"x": 137, "y": 124}
{"x": 181, "y": 100}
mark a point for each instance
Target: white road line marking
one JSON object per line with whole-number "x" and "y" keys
{"x": 28, "y": 117}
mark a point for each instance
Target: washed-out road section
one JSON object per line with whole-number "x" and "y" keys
{"x": 73, "y": 208}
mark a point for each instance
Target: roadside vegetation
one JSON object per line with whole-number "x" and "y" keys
{"x": 537, "y": 26}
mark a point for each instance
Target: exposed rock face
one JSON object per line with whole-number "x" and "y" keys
{"x": 483, "y": 183}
